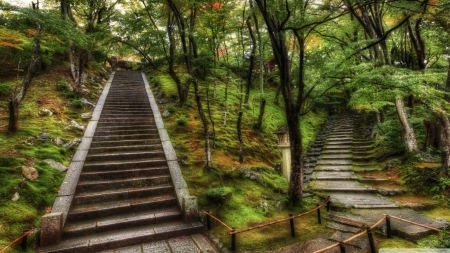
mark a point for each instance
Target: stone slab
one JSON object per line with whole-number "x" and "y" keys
{"x": 182, "y": 245}
{"x": 334, "y": 162}
{"x": 203, "y": 243}
{"x": 51, "y": 228}
{"x": 361, "y": 242}
{"x": 334, "y": 167}
{"x": 324, "y": 175}
{"x": 85, "y": 143}
{"x": 131, "y": 249}
{"x": 353, "y": 199}
{"x": 156, "y": 247}
{"x": 343, "y": 228}
{"x": 80, "y": 156}
{"x": 338, "y": 184}
{"x": 170, "y": 153}
{"x": 90, "y": 129}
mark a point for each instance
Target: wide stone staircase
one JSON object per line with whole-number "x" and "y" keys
{"x": 125, "y": 195}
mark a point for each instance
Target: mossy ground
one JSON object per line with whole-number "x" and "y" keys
{"x": 247, "y": 203}
{"x": 16, "y": 150}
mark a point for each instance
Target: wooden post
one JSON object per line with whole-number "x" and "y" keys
{"x": 24, "y": 242}
{"x": 328, "y": 204}
{"x": 208, "y": 221}
{"x": 388, "y": 227}
{"x": 233, "y": 240}
{"x": 291, "y": 221}
{"x": 319, "y": 219}
{"x": 372, "y": 245}
{"x": 342, "y": 247}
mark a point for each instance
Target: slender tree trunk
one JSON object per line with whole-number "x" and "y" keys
{"x": 447, "y": 84}
{"x": 410, "y": 137}
{"x": 262, "y": 100}
{"x": 445, "y": 154}
{"x": 32, "y": 69}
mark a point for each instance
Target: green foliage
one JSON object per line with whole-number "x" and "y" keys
{"x": 181, "y": 120}
{"x": 390, "y": 133}
{"x": 441, "y": 240}
{"x": 418, "y": 179}
{"x": 78, "y": 103}
{"x": 62, "y": 85}
{"x": 171, "y": 108}
{"x": 441, "y": 191}
{"x": 218, "y": 195}
{"x": 5, "y": 89}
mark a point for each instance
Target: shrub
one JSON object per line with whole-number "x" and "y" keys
{"x": 171, "y": 108}
{"x": 181, "y": 121}
{"x": 78, "y": 103}
{"x": 5, "y": 89}
{"x": 217, "y": 195}
{"x": 62, "y": 85}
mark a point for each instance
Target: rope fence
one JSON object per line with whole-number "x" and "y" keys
{"x": 24, "y": 238}
{"x": 291, "y": 218}
{"x": 387, "y": 219}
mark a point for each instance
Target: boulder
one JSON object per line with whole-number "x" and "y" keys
{"x": 86, "y": 115}
{"x": 166, "y": 114}
{"x": 74, "y": 124}
{"x": 15, "y": 197}
{"x": 252, "y": 175}
{"x": 45, "y": 112}
{"x": 72, "y": 143}
{"x": 58, "y": 141}
{"x": 56, "y": 165}
{"x": 30, "y": 173}
{"x": 87, "y": 102}
{"x": 44, "y": 137}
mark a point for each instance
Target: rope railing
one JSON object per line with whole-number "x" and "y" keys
{"x": 386, "y": 218}
{"x": 24, "y": 241}
{"x": 291, "y": 218}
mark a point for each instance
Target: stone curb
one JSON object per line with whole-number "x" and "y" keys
{"x": 53, "y": 223}
{"x": 187, "y": 203}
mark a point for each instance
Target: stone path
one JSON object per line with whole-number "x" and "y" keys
{"x": 344, "y": 156}
{"x": 124, "y": 187}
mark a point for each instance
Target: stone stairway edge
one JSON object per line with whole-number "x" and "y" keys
{"x": 187, "y": 203}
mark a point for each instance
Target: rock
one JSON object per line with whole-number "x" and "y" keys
{"x": 58, "y": 141}
{"x": 184, "y": 162}
{"x": 30, "y": 141}
{"x": 45, "y": 112}
{"x": 166, "y": 114}
{"x": 252, "y": 175}
{"x": 87, "y": 102}
{"x": 85, "y": 91}
{"x": 72, "y": 143}
{"x": 30, "y": 173}
{"x": 86, "y": 115}
{"x": 56, "y": 165}
{"x": 15, "y": 197}
{"x": 74, "y": 124}
{"x": 44, "y": 137}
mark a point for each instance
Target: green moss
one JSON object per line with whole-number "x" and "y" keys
{"x": 396, "y": 243}
{"x": 47, "y": 151}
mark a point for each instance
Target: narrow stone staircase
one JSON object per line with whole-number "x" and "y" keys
{"x": 335, "y": 170}
{"x": 125, "y": 195}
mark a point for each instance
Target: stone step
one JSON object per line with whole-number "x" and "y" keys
{"x": 362, "y": 153}
{"x": 113, "y": 165}
{"x": 339, "y": 139}
{"x": 364, "y": 200}
{"x": 125, "y": 237}
{"x": 334, "y": 168}
{"x": 341, "y": 219}
{"x": 362, "y": 147}
{"x": 343, "y": 227}
{"x": 126, "y": 120}
{"x": 340, "y": 186}
{"x": 129, "y": 148}
{"x": 100, "y": 143}
{"x": 120, "y": 221}
{"x": 338, "y": 142}
{"x": 121, "y": 193}
{"x": 125, "y": 137}
{"x": 345, "y": 147}
{"x": 358, "y": 158}
{"x": 122, "y": 174}
{"x": 145, "y": 111}
{"x": 107, "y": 131}
{"x": 103, "y": 185}
{"x": 328, "y": 156}
{"x": 125, "y": 156}
{"x": 334, "y": 162}
{"x": 196, "y": 243}
{"x": 104, "y": 209}
{"x": 327, "y": 175}
{"x": 113, "y": 127}
{"x": 337, "y": 151}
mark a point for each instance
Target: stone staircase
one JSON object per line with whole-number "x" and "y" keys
{"x": 125, "y": 195}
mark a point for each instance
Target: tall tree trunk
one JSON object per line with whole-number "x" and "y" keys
{"x": 262, "y": 100}
{"x": 447, "y": 84}
{"x": 410, "y": 137}
{"x": 32, "y": 69}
